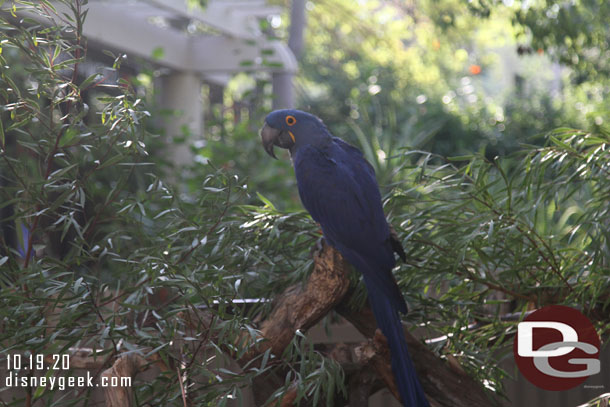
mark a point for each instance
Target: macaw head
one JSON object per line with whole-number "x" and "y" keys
{"x": 291, "y": 129}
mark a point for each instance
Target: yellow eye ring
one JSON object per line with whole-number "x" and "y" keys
{"x": 290, "y": 120}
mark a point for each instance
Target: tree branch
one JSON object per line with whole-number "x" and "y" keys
{"x": 302, "y": 307}
{"x": 299, "y": 307}
{"x": 125, "y": 366}
{"x": 367, "y": 364}
{"x": 443, "y": 383}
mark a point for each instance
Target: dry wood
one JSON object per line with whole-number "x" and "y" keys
{"x": 301, "y": 307}
{"x": 443, "y": 384}
{"x": 125, "y": 366}
{"x": 367, "y": 364}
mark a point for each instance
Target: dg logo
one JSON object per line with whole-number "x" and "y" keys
{"x": 557, "y": 348}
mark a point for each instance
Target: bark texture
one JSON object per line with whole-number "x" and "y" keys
{"x": 367, "y": 365}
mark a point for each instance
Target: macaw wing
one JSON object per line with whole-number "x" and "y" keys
{"x": 339, "y": 190}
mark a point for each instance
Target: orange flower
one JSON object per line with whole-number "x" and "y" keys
{"x": 475, "y": 69}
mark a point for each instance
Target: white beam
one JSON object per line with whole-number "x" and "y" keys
{"x": 125, "y": 26}
{"x": 222, "y": 54}
{"x": 217, "y": 78}
{"x": 112, "y": 25}
{"x": 228, "y": 17}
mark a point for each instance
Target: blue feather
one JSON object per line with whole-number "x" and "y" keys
{"x": 390, "y": 324}
{"x": 338, "y": 188}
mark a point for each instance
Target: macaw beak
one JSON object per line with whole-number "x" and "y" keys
{"x": 274, "y": 137}
{"x": 270, "y": 138}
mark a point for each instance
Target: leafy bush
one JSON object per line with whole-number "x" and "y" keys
{"x": 98, "y": 251}
{"x": 490, "y": 239}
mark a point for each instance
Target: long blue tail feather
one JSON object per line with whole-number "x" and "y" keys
{"x": 386, "y": 302}
{"x": 388, "y": 320}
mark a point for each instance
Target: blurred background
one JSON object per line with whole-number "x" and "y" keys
{"x": 134, "y": 184}
{"x": 449, "y": 77}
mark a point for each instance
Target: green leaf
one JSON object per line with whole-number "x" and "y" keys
{"x": 89, "y": 80}
{"x": 265, "y": 359}
{"x": 157, "y": 53}
{"x": 60, "y": 200}
{"x": 266, "y": 201}
{"x": 2, "y": 138}
{"x": 110, "y": 162}
{"x": 461, "y": 157}
{"x": 60, "y": 172}
{"x": 562, "y": 144}
{"x": 39, "y": 391}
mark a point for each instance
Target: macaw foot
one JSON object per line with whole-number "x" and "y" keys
{"x": 396, "y": 244}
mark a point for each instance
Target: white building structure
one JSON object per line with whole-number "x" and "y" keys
{"x": 194, "y": 45}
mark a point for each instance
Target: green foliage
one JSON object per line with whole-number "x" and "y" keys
{"x": 440, "y": 70}
{"x": 577, "y": 33}
{"x": 274, "y": 178}
{"x": 99, "y": 251}
{"x": 319, "y": 376}
{"x": 492, "y": 238}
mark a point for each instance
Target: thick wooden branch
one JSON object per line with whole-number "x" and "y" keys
{"x": 376, "y": 354}
{"x": 445, "y": 384}
{"x": 125, "y": 366}
{"x": 301, "y": 307}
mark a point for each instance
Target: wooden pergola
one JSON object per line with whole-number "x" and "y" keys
{"x": 193, "y": 45}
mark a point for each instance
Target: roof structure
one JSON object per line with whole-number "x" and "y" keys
{"x": 215, "y": 42}
{"x": 193, "y": 44}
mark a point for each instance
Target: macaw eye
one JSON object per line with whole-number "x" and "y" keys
{"x": 290, "y": 120}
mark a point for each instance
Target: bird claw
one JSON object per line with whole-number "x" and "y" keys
{"x": 396, "y": 244}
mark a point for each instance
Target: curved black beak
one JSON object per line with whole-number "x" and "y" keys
{"x": 270, "y": 138}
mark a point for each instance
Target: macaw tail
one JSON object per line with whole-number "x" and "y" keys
{"x": 388, "y": 320}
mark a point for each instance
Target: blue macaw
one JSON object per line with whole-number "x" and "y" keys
{"x": 339, "y": 189}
